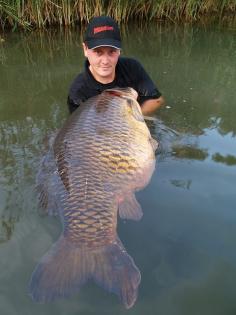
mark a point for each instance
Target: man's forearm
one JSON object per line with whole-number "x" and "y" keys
{"x": 150, "y": 106}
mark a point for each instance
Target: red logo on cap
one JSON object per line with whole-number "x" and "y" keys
{"x": 102, "y": 29}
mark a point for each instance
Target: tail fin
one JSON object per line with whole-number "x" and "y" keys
{"x": 65, "y": 268}
{"x": 116, "y": 271}
{"x": 61, "y": 272}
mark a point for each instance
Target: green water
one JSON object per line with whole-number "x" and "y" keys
{"x": 185, "y": 245}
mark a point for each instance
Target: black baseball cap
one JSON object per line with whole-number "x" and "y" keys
{"x": 102, "y": 31}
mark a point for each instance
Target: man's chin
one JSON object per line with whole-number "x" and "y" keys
{"x": 106, "y": 73}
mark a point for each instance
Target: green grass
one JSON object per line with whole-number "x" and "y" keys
{"x": 45, "y": 13}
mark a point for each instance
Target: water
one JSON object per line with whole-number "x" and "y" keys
{"x": 185, "y": 243}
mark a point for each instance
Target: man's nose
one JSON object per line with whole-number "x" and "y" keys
{"x": 105, "y": 58}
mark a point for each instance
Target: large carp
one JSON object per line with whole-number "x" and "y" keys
{"x": 99, "y": 158}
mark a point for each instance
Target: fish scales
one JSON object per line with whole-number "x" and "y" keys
{"x": 101, "y": 156}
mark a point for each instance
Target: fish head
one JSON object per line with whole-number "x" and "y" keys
{"x": 129, "y": 107}
{"x": 118, "y": 112}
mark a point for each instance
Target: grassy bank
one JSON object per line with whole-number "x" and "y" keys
{"x": 43, "y": 13}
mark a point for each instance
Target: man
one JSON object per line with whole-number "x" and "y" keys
{"x": 104, "y": 68}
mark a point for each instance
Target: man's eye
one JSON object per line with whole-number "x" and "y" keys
{"x": 98, "y": 52}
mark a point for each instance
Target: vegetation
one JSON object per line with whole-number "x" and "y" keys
{"x": 44, "y": 13}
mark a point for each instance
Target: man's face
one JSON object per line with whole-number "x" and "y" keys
{"x": 103, "y": 62}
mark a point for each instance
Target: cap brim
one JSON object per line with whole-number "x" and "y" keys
{"x": 92, "y": 44}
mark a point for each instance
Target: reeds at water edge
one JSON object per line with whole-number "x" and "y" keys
{"x": 44, "y": 13}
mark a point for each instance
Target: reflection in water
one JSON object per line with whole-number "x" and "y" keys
{"x": 19, "y": 151}
{"x": 181, "y": 183}
{"x": 43, "y": 69}
{"x": 22, "y": 145}
{"x": 229, "y": 160}
{"x": 189, "y": 152}
{"x": 6, "y": 229}
{"x": 51, "y": 43}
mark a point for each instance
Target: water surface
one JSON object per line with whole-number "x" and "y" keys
{"x": 185, "y": 243}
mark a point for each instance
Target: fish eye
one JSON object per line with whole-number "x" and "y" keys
{"x": 129, "y": 102}
{"x": 132, "y": 109}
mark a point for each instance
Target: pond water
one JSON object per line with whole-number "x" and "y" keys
{"x": 185, "y": 245}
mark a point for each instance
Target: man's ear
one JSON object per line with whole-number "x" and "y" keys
{"x": 85, "y": 48}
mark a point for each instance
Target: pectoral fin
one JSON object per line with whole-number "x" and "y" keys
{"x": 154, "y": 144}
{"x": 129, "y": 208}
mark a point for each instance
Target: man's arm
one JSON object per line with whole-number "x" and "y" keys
{"x": 150, "y": 106}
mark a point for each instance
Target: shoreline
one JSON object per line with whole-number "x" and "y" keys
{"x": 57, "y": 13}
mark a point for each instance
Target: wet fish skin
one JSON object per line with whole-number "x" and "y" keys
{"x": 100, "y": 157}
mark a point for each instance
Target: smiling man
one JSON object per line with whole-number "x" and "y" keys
{"x": 105, "y": 68}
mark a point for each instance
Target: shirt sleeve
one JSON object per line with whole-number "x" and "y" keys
{"x": 143, "y": 83}
{"x": 75, "y": 96}
{"x": 71, "y": 104}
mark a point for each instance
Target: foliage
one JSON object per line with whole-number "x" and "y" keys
{"x": 44, "y": 13}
